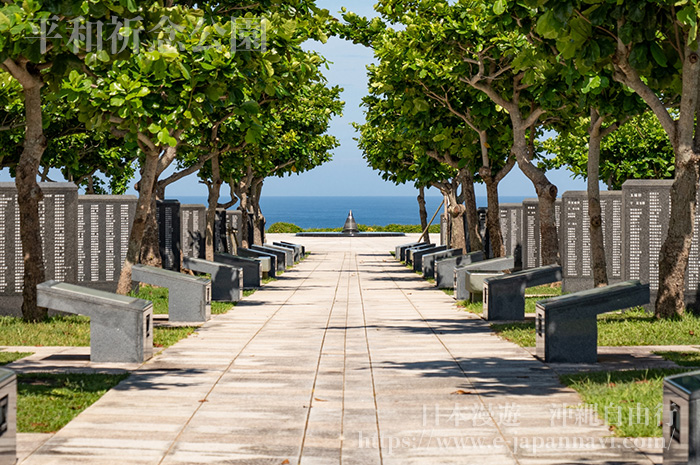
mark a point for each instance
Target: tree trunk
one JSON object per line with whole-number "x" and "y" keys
{"x": 150, "y": 247}
{"x": 458, "y": 238}
{"x": 598, "y": 262}
{"x": 258, "y": 218}
{"x": 143, "y": 206}
{"x": 546, "y": 194}
{"x": 472, "y": 216}
{"x": 423, "y": 213}
{"x": 28, "y": 197}
{"x": 493, "y": 218}
{"x": 213, "y": 201}
{"x": 670, "y": 299}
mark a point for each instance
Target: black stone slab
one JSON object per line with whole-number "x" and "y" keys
{"x": 169, "y": 233}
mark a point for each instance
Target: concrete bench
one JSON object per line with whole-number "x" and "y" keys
{"x": 280, "y": 257}
{"x": 226, "y": 280}
{"x": 429, "y": 260}
{"x": 296, "y": 250}
{"x": 445, "y": 268}
{"x": 567, "y": 326}
{"x": 400, "y": 251}
{"x": 268, "y": 260}
{"x": 252, "y": 268}
{"x": 189, "y": 297}
{"x": 416, "y": 248}
{"x": 504, "y": 296}
{"x": 121, "y": 327}
{"x": 418, "y": 255}
{"x": 469, "y": 279}
{"x": 288, "y": 253}
{"x": 301, "y": 247}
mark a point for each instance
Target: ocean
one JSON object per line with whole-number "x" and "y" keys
{"x": 331, "y": 212}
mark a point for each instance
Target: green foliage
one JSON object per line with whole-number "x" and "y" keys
{"x": 9, "y": 357}
{"x": 284, "y": 228}
{"x": 47, "y": 402}
{"x": 640, "y": 149}
{"x": 401, "y": 228}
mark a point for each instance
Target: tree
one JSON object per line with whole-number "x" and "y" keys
{"x": 34, "y": 61}
{"x": 652, "y": 48}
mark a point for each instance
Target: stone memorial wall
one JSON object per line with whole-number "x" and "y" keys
{"x": 59, "y": 233}
{"x": 574, "y": 238}
{"x": 531, "y": 255}
{"x": 511, "y": 215}
{"x": 169, "y": 233}
{"x": 220, "y": 242}
{"x": 444, "y": 229}
{"x": 193, "y": 224}
{"x": 104, "y": 224}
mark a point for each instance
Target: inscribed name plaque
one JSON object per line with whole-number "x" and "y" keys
{"x": 511, "y": 230}
{"x": 104, "y": 225}
{"x": 59, "y": 238}
{"x": 575, "y": 243}
{"x": 193, "y": 226}
{"x": 169, "y": 233}
{"x": 530, "y": 223}
{"x": 646, "y": 213}
{"x": 482, "y": 214}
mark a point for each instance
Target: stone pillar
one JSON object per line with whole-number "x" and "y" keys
{"x": 169, "y": 233}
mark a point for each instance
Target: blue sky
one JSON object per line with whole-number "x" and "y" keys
{"x": 348, "y": 173}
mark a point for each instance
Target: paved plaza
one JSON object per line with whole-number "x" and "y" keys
{"x": 349, "y": 358}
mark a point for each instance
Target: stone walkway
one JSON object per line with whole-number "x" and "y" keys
{"x": 350, "y": 358}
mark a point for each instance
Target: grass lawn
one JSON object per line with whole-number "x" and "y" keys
{"x": 632, "y": 328}
{"x": 628, "y": 401}
{"x": 46, "y": 402}
{"x": 70, "y": 331}
{"x": 159, "y": 297}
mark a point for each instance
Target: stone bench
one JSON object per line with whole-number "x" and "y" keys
{"x": 121, "y": 327}
{"x": 411, "y": 250}
{"x": 400, "y": 251}
{"x": 567, "y": 326}
{"x": 226, "y": 280}
{"x": 469, "y": 279}
{"x": 288, "y": 253}
{"x": 301, "y": 247}
{"x": 431, "y": 258}
{"x": 504, "y": 296}
{"x": 418, "y": 255}
{"x": 189, "y": 297}
{"x": 264, "y": 257}
{"x": 280, "y": 257}
{"x": 296, "y": 250}
{"x": 252, "y": 267}
{"x": 445, "y": 268}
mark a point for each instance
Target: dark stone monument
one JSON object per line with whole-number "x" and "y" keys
{"x": 59, "y": 233}
{"x": 482, "y": 213}
{"x": 350, "y": 225}
{"x": 169, "y": 233}
{"x": 646, "y": 212}
{"x": 193, "y": 228}
{"x": 220, "y": 244}
{"x": 104, "y": 226}
{"x": 575, "y": 244}
{"x": 511, "y": 229}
